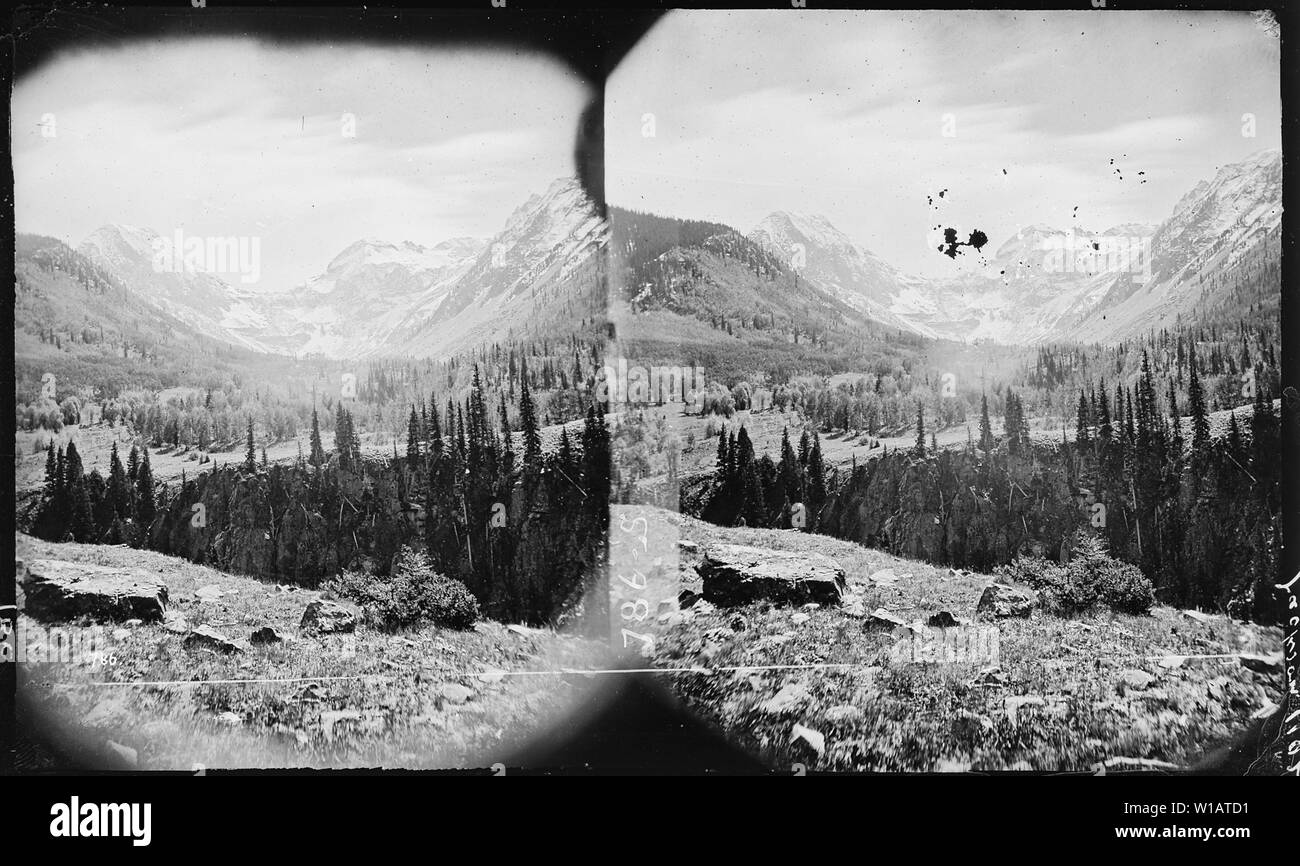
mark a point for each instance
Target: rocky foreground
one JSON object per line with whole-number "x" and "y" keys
{"x": 133, "y": 659}
{"x": 814, "y": 651}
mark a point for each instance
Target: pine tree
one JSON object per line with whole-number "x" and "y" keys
{"x": 1196, "y": 396}
{"x": 119, "y": 489}
{"x": 816, "y": 473}
{"x": 919, "y": 450}
{"x": 133, "y": 464}
{"x": 317, "y": 449}
{"x": 528, "y": 420}
{"x": 145, "y": 505}
{"x": 413, "y": 439}
{"x": 51, "y": 467}
{"x": 1081, "y": 436}
{"x": 986, "y": 429}
{"x": 250, "y": 455}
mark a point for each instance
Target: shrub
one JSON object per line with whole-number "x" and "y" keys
{"x": 1091, "y": 578}
{"x": 413, "y": 594}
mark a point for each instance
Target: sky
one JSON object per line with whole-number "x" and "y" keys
{"x": 730, "y": 115}
{"x": 234, "y": 137}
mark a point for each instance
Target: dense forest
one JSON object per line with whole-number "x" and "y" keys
{"x": 1196, "y": 509}
{"x": 521, "y": 527}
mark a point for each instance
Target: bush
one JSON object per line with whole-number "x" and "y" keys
{"x": 414, "y": 594}
{"x": 1091, "y": 578}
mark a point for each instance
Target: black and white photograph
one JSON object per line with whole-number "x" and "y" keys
{"x": 530, "y": 390}
{"x": 309, "y": 470}
{"x": 948, "y": 381}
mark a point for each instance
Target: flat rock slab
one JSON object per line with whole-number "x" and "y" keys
{"x": 205, "y": 637}
{"x": 736, "y": 574}
{"x": 61, "y": 590}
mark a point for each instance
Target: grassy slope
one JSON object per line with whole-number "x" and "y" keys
{"x": 878, "y": 715}
{"x": 404, "y": 719}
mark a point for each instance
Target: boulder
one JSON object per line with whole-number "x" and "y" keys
{"x": 58, "y": 590}
{"x": 942, "y": 619}
{"x": 1262, "y": 664}
{"x": 328, "y": 617}
{"x": 1134, "y": 680}
{"x": 736, "y": 574}
{"x": 206, "y": 637}
{"x": 265, "y": 635}
{"x": 1000, "y": 600}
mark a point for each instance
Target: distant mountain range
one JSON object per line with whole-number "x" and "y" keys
{"x": 1047, "y": 283}
{"x": 378, "y": 297}
{"x": 547, "y": 266}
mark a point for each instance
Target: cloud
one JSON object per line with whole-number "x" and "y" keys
{"x": 236, "y": 137}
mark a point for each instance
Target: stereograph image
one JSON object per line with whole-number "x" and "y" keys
{"x": 893, "y": 391}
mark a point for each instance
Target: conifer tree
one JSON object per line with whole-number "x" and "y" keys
{"x": 986, "y": 429}
{"x": 250, "y": 454}
{"x": 919, "y": 450}
{"x": 317, "y": 450}
{"x": 412, "y": 439}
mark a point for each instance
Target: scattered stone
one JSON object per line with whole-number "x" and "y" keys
{"x": 813, "y": 738}
{"x": 800, "y": 618}
{"x": 1134, "y": 680}
{"x": 328, "y": 617}
{"x": 884, "y": 577}
{"x": 65, "y": 590}
{"x": 492, "y": 675}
{"x": 688, "y": 546}
{"x": 991, "y": 676}
{"x": 205, "y": 637}
{"x": 1262, "y": 664}
{"x": 133, "y": 622}
{"x": 176, "y": 623}
{"x": 1000, "y": 600}
{"x": 125, "y": 754}
{"x": 455, "y": 693}
{"x": 265, "y": 635}
{"x": 791, "y": 696}
{"x": 738, "y": 623}
{"x": 736, "y": 574}
{"x": 211, "y": 592}
{"x": 121, "y": 633}
{"x": 881, "y": 618}
{"x": 666, "y": 605}
{"x": 229, "y": 718}
{"x": 942, "y": 619}
{"x": 812, "y": 605}
{"x": 686, "y": 599}
{"x": 1169, "y": 663}
{"x": 1197, "y": 615}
